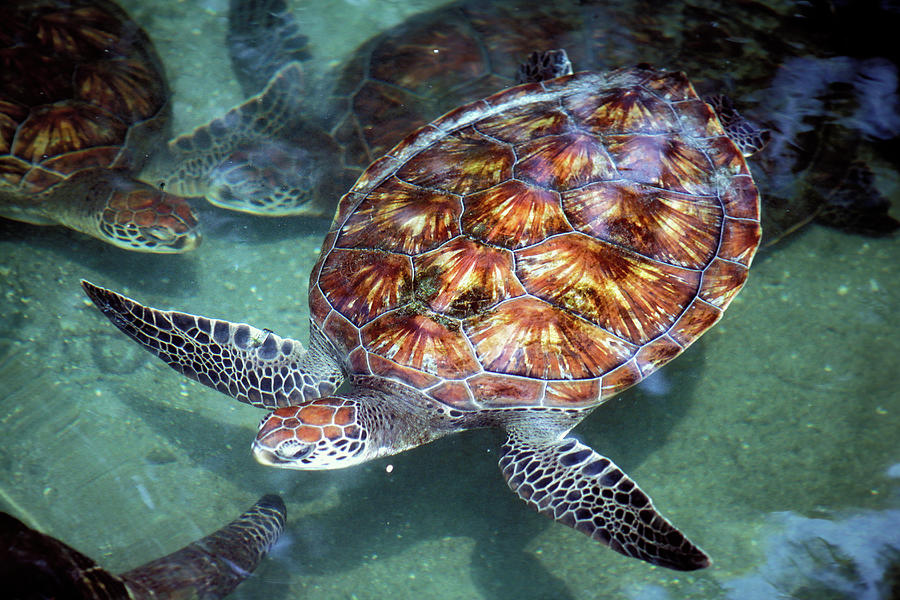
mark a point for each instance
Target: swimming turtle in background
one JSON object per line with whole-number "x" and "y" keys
{"x": 513, "y": 264}
{"x": 35, "y": 565}
{"x": 431, "y": 62}
{"x": 84, "y": 103}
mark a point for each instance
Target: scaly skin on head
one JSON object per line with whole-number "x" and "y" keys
{"x": 345, "y": 430}
{"x": 126, "y": 213}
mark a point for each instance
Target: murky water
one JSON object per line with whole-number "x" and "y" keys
{"x": 772, "y": 441}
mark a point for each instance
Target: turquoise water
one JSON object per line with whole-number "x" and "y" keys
{"x": 772, "y": 442}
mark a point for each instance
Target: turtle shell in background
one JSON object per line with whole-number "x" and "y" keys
{"x": 437, "y": 60}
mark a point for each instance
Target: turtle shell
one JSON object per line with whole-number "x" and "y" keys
{"x": 76, "y": 80}
{"x": 550, "y": 245}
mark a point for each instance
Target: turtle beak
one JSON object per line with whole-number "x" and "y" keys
{"x": 266, "y": 457}
{"x": 278, "y": 457}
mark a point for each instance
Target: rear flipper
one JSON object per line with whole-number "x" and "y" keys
{"x": 571, "y": 483}
{"x": 749, "y": 138}
{"x": 213, "y": 566}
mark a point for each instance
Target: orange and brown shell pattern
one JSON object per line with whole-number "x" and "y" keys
{"x": 548, "y": 246}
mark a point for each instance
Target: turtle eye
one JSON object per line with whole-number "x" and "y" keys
{"x": 294, "y": 450}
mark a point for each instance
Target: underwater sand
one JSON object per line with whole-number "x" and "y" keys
{"x": 791, "y": 403}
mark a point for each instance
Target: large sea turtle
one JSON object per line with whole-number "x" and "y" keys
{"x": 35, "y": 565}
{"x": 433, "y": 61}
{"x": 513, "y": 264}
{"x": 84, "y": 103}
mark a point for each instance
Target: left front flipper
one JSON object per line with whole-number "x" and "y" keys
{"x": 573, "y": 484}
{"x": 260, "y": 158}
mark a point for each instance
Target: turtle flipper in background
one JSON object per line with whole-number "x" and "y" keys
{"x": 262, "y": 37}
{"x": 35, "y": 565}
{"x": 260, "y": 157}
{"x": 214, "y": 565}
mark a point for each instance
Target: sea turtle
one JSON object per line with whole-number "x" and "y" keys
{"x": 513, "y": 264}
{"x": 35, "y": 565}
{"x": 84, "y": 103}
{"x": 437, "y": 60}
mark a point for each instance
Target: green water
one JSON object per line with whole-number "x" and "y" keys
{"x": 791, "y": 404}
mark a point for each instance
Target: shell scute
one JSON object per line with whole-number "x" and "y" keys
{"x": 741, "y": 198}
{"x": 569, "y": 394}
{"x": 66, "y": 126}
{"x": 98, "y": 156}
{"x": 665, "y": 161}
{"x": 400, "y": 217}
{"x": 673, "y": 86}
{"x": 82, "y": 32}
{"x": 454, "y": 394}
{"x": 503, "y": 391}
{"x": 619, "y": 379}
{"x": 656, "y": 353}
{"x": 465, "y": 276}
{"x": 524, "y": 123}
{"x": 626, "y": 294}
{"x": 513, "y": 214}
{"x": 363, "y": 284}
{"x": 563, "y": 162}
{"x": 674, "y": 228}
{"x": 697, "y": 318}
{"x": 629, "y": 110}
{"x": 722, "y": 280}
{"x": 532, "y": 338}
{"x": 337, "y": 327}
{"x": 318, "y": 304}
{"x": 463, "y": 162}
{"x": 740, "y": 239}
{"x": 383, "y": 367}
{"x": 421, "y": 342}
{"x": 514, "y": 93}
{"x": 126, "y": 88}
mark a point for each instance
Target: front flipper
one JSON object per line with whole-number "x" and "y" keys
{"x": 253, "y": 366}
{"x": 571, "y": 483}
{"x": 260, "y": 157}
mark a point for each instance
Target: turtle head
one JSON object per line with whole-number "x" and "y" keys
{"x": 126, "y": 213}
{"x": 327, "y": 433}
{"x": 148, "y": 220}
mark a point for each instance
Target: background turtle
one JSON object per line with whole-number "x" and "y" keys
{"x": 84, "y": 103}
{"x": 35, "y": 565}
{"x": 432, "y": 62}
{"x": 513, "y": 265}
